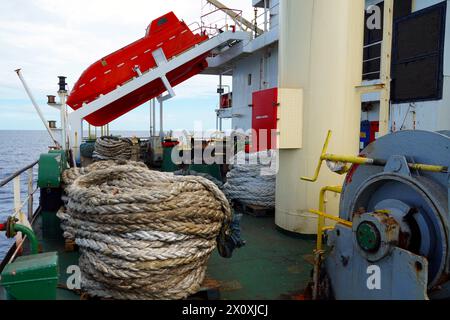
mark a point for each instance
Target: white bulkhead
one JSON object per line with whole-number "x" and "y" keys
{"x": 312, "y": 51}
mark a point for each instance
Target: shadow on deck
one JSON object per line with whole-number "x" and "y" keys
{"x": 271, "y": 266}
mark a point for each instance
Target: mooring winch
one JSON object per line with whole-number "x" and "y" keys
{"x": 391, "y": 238}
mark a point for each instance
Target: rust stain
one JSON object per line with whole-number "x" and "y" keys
{"x": 209, "y": 283}
{"x": 418, "y": 266}
{"x": 300, "y": 295}
{"x": 351, "y": 172}
{"x": 309, "y": 258}
{"x": 230, "y": 286}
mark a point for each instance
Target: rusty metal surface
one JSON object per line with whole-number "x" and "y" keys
{"x": 272, "y": 265}
{"x": 403, "y": 275}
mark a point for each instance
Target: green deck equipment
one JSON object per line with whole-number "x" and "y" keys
{"x": 51, "y": 166}
{"x": 168, "y": 165}
{"x": 33, "y": 277}
{"x": 212, "y": 169}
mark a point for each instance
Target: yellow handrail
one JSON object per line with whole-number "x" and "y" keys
{"x": 330, "y": 217}
{"x": 319, "y": 166}
{"x": 321, "y": 228}
{"x": 322, "y": 217}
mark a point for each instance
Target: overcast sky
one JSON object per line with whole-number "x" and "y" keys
{"x": 48, "y": 38}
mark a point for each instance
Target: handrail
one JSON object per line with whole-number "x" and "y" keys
{"x": 18, "y": 205}
{"x": 237, "y": 19}
{"x": 27, "y": 200}
{"x": 264, "y": 17}
{"x": 16, "y": 174}
{"x": 16, "y": 247}
{"x": 195, "y": 23}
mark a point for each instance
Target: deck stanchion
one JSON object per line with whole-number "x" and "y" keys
{"x": 30, "y": 194}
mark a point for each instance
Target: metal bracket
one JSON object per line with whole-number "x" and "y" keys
{"x": 399, "y": 165}
{"x": 161, "y": 59}
{"x": 170, "y": 92}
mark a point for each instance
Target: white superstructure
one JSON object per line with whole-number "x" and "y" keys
{"x": 307, "y": 41}
{"x": 253, "y": 65}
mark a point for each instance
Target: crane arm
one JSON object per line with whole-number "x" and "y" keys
{"x": 235, "y": 16}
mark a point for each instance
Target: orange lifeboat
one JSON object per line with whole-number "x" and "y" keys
{"x": 105, "y": 75}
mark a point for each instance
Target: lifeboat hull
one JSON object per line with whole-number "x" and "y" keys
{"x": 168, "y": 33}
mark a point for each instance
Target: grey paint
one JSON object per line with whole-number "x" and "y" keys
{"x": 371, "y": 186}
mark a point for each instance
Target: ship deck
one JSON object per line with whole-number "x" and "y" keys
{"x": 272, "y": 266}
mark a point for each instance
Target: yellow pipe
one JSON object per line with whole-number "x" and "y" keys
{"x": 319, "y": 166}
{"x": 427, "y": 167}
{"x": 330, "y": 217}
{"x": 346, "y": 159}
{"x": 321, "y": 219}
{"x": 321, "y": 228}
{"x": 364, "y": 161}
{"x": 335, "y": 189}
{"x": 368, "y": 161}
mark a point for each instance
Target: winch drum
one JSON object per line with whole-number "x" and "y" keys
{"x": 426, "y": 193}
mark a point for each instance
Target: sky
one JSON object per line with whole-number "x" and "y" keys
{"x": 50, "y": 38}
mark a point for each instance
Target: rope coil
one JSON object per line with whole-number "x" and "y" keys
{"x": 113, "y": 148}
{"x": 252, "y": 179}
{"x": 142, "y": 234}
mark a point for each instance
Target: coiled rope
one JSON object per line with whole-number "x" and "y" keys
{"x": 142, "y": 234}
{"x": 252, "y": 179}
{"x": 113, "y": 148}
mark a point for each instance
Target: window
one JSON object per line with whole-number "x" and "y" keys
{"x": 373, "y": 39}
{"x": 418, "y": 55}
{"x": 372, "y": 47}
{"x": 249, "y": 79}
{"x": 162, "y": 21}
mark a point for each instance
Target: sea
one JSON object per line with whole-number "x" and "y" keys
{"x": 18, "y": 149}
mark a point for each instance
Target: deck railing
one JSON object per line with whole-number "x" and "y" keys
{"x": 19, "y": 205}
{"x": 263, "y": 20}
{"x": 217, "y": 21}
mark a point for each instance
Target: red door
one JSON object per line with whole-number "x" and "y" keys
{"x": 264, "y": 120}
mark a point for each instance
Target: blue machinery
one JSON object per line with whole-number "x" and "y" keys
{"x": 391, "y": 240}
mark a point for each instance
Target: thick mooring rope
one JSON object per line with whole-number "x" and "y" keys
{"x": 142, "y": 234}
{"x": 112, "y": 148}
{"x": 252, "y": 179}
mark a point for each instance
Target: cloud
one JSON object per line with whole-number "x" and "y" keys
{"x": 48, "y": 38}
